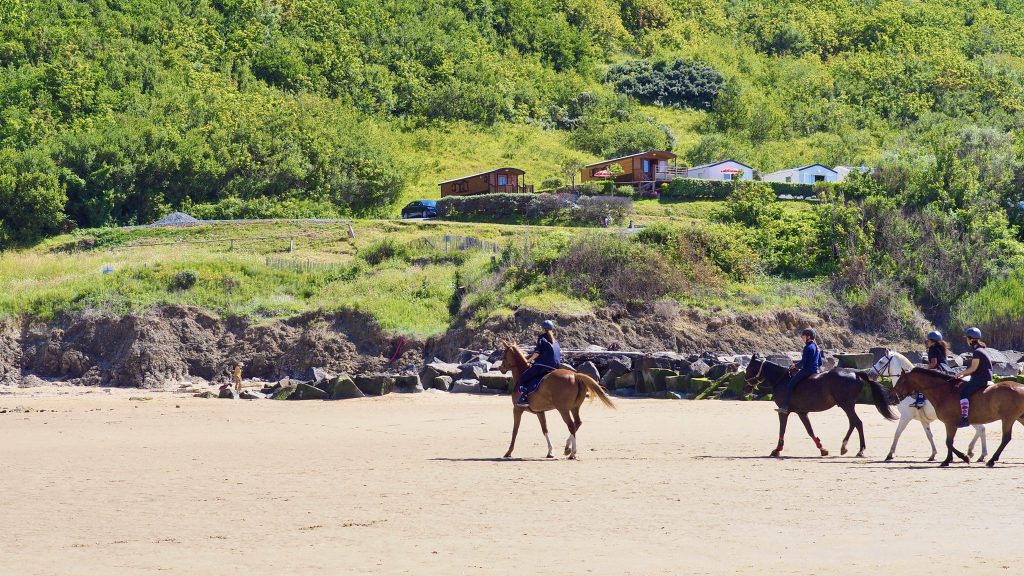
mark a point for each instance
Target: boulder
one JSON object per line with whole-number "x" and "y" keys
{"x": 677, "y": 383}
{"x": 666, "y": 395}
{"x": 781, "y": 359}
{"x": 590, "y": 369}
{"x": 466, "y": 386}
{"x": 1005, "y": 369}
{"x": 408, "y": 384}
{"x": 1013, "y": 357}
{"x": 997, "y": 356}
{"x": 306, "y": 391}
{"x": 344, "y": 387}
{"x": 828, "y": 363}
{"x": 565, "y": 366}
{"x": 228, "y": 391}
{"x": 616, "y": 367}
{"x": 699, "y": 369}
{"x": 856, "y": 361}
{"x": 497, "y": 381}
{"x": 915, "y": 356}
{"x": 205, "y": 394}
{"x": 321, "y": 374}
{"x": 719, "y": 370}
{"x": 878, "y": 352}
{"x": 441, "y": 383}
{"x": 283, "y": 392}
{"x": 624, "y": 381}
{"x": 656, "y": 378}
{"x": 375, "y": 384}
{"x": 252, "y": 395}
{"x": 473, "y": 370}
{"x": 438, "y": 368}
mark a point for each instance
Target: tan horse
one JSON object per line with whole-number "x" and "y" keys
{"x": 1003, "y": 402}
{"x": 562, "y": 390}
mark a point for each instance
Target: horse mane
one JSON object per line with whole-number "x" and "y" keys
{"x": 932, "y": 374}
{"x": 904, "y": 361}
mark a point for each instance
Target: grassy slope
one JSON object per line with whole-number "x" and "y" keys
{"x": 48, "y": 280}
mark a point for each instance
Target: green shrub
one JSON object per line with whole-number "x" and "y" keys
{"x": 698, "y": 189}
{"x": 384, "y": 250}
{"x": 183, "y": 280}
{"x": 680, "y": 82}
{"x": 998, "y": 309}
{"x": 533, "y": 208}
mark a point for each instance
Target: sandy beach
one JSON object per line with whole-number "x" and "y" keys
{"x": 411, "y": 484}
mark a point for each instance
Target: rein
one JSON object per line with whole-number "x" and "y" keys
{"x": 757, "y": 379}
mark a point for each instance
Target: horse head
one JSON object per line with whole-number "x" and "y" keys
{"x": 905, "y": 385}
{"x": 509, "y": 357}
{"x": 753, "y": 376}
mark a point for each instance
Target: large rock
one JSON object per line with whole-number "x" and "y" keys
{"x": 616, "y": 367}
{"x": 877, "y": 353}
{"x": 466, "y": 386}
{"x": 283, "y": 392}
{"x": 667, "y": 395}
{"x": 375, "y": 384}
{"x": 590, "y": 369}
{"x": 308, "y": 392}
{"x": 228, "y": 392}
{"x": 442, "y": 383}
{"x": 916, "y": 357}
{"x": 654, "y": 379}
{"x": 1013, "y": 356}
{"x": 624, "y": 381}
{"x": 496, "y": 381}
{"x": 408, "y": 384}
{"x": 321, "y": 374}
{"x": 565, "y": 366}
{"x": 856, "y": 361}
{"x": 699, "y": 369}
{"x": 344, "y": 387}
{"x": 719, "y": 370}
{"x": 1005, "y": 369}
{"x": 252, "y": 395}
{"x": 473, "y": 370}
{"x": 438, "y": 368}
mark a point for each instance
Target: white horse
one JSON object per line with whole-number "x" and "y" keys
{"x": 892, "y": 365}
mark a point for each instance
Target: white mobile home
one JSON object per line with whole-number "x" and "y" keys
{"x": 843, "y": 171}
{"x": 803, "y": 175}
{"x": 724, "y": 170}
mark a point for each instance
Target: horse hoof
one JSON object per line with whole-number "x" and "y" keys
{"x": 944, "y": 465}
{"x": 843, "y": 451}
{"x": 572, "y": 457}
{"x": 549, "y": 456}
{"x": 824, "y": 452}
{"x": 567, "y": 452}
{"x": 775, "y": 454}
{"x": 860, "y": 455}
{"x": 888, "y": 458}
{"x": 982, "y": 459}
{"x": 990, "y": 463}
{"x": 507, "y": 456}
{"x": 932, "y": 459}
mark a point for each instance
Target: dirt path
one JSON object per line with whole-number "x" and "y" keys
{"x": 409, "y": 485}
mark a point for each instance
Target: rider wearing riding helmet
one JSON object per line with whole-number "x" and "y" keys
{"x": 546, "y": 357}
{"x": 810, "y": 362}
{"x": 938, "y": 351}
{"x": 980, "y": 372}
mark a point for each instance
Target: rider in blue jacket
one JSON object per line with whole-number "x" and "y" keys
{"x": 546, "y": 357}
{"x": 810, "y": 362}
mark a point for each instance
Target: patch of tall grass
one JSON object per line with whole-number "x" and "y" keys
{"x": 998, "y": 309}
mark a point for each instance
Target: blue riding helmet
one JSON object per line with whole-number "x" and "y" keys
{"x": 935, "y": 335}
{"x": 548, "y": 325}
{"x": 973, "y": 332}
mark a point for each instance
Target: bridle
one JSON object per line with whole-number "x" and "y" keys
{"x": 888, "y": 361}
{"x": 754, "y": 382}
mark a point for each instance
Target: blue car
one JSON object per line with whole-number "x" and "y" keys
{"x": 420, "y": 209}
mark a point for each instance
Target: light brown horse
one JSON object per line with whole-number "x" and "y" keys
{"x": 1003, "y": 402}
{"x": 562, "y": 390}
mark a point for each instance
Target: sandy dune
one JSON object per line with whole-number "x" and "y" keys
{"x": 410, "y": 485}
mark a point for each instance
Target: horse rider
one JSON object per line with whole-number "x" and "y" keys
{"x": 810, "y": 362}
{"x": 546, "y": 357}
{"x": 980, "y": 372}
{"x": 938, "y": 352}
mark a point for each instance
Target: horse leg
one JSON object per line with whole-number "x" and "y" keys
{"x": 904, "y": 420}
{"x": 782, "y": 433}
{"x": 950, "y": 449}
{"x": 1007, "y": 434}
{"x": 570, "y": 444}
{"x": 855, "y": 424}
{"x": 517, "y": 417}
{"x": 577, "y": 422}
{"x": 810, "y": 432}
{"x": 931, "y": 439}
{"x": 979, "y": 434}
{"x": 544, "y": 428}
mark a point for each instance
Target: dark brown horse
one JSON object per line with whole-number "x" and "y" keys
{"x": 1003, "y": 402}
{"x": 562, "y": 390}
{"x": 816, "y": 394}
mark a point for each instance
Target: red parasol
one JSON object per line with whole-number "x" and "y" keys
{"x": 602, "y": 174}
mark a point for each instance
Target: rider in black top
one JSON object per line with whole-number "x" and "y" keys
{"x": 980, "y": 372}
{"x": 937, "y": 353}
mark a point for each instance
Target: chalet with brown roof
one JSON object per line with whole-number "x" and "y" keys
{"x": 642, "y": 170}
{"x": 497, "y": 181}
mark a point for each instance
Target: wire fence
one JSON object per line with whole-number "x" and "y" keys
{"x": 450, "y": 243}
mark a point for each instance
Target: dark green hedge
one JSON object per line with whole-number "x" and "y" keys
{"x": 533, "y": 208}
{"x": 694, "y": 189}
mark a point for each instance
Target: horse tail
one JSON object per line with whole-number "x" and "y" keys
{"x": 590, "y": 385}
{"x": 879, "y": 396}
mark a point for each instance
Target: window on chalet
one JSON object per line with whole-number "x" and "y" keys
{"x": 502, "y": 180}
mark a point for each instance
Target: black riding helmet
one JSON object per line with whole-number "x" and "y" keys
{"x": 808, "y": 332}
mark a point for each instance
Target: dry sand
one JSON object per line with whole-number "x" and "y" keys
{"x": 99, "y": 484}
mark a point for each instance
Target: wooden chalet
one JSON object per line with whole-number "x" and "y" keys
{"x": 642, "y": 170}
{"x": 497, "y": 181}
